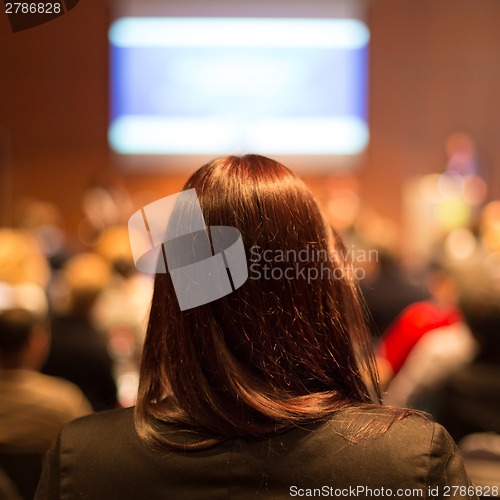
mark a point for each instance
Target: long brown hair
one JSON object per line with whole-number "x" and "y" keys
{"x": 276, "y": 352}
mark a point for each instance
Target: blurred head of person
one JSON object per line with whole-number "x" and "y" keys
{"x": 442, "y": 282}
{"x": 84, "y": 275}
{"x": 21, "y": 259}
{"x": 277, "y": 352}
{"x": 24, "y": 341}
{"x": 44, "y": 221}
{"x": 479, "y": 301}
{"x": 115, "y": 248}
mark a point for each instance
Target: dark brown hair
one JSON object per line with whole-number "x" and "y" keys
{"x": 274, "y": 353}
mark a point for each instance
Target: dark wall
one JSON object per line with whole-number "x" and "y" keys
{"x": 434, "y": 69}
{"x": 53, "y": 109}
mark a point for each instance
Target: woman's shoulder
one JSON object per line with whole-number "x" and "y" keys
{"x": 400, "y": 431}
{"x": 412, "y": 451}
{"x": 388, "y": 421}
{"x": 107, "y": 417}
{"x": 118, "y": 422}
{"x": 378, "y": 437}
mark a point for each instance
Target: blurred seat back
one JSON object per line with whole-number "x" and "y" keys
{"x": 481, "y": 453}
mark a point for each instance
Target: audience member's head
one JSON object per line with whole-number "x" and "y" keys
{"x": 21, "y": 259}
{"x": 283, "y": 348}
{"x": 115, "y": 248}
{"x": 23, "y": 339}
{"x": 85, "y": 275}
{"x": 442, "y": 282}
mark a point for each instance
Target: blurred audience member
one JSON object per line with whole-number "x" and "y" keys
{"x": 386, "y": 287}
{"x": 79, "y": 350}
{"x": 43, "y": 220}
{"x": 415, "y": 322}
{"x": 470, "y": 399}
{"x": 437, "y": 354}
{"x": 105, "y": 203}
{"x": 33, "y": 407}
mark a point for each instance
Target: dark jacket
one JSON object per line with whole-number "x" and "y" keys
{"x": 102, "y": 457}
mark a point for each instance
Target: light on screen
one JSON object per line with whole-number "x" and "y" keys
{"x": 224, "y": 85}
